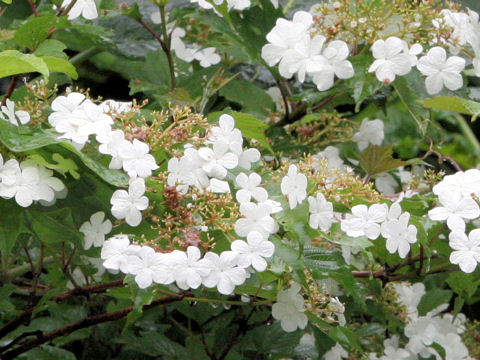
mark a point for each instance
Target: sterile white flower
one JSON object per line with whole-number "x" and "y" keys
{"x": 465, "y": 182}
{"x": 257, "y": 218}
{"x": 332, "y": 155}
{"x": 455, "y": 208}
{"x": 250, "y": 188}
{"x": 392, "y": 351}
{"x": 289, "y": 309}
{"x": 115, "y": 250}
{"x": 129, "y": 204}
{"x": 227, "y": 132}
{"x": 284, "y": 36}
{"x": 95, "y": 230}
{"x": 112, "y": 146}
{"x": 216, "y": 161}
{"x": 8, "y": 171}
{"x": 207, "y": 57}
{"x": 254, "y": 251}
{"x": 187, "y": 268}
{"x": 136, "y": 160}
{"x": 86, "y": 8}
{"x": 63, "y": 107}
{"x": 149, "y": 266}
{"x": 218, "y": 186}
{"x": 321, "y": 212}
{"x": 365, "y": 221}
{"x": 399, "y": 235}
{"x": 12, "y": 116}
{"x": 441, "y": 71}
{"x": 306, "y": 57}
{"x": 294, "y": 186}
{"x": 390, "y": 59}
{"x": 410, "y": 295}
{"x": 336, "y": 353}
{"x": 224, "y": 272}
{"x": 467, "y": 249}
{"x": 370, "y": 132}
{"x": 335, "y": 64}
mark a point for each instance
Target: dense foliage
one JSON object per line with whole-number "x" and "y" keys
{"x": 239, "y": 179}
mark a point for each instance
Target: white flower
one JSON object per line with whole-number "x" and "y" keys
{"x": 249, "y": 188}
{"x": 149, "y": 266}
{"x": 224, "y": 274}
{"x": 116, "y": 107}
{"x": 95, "y": 230}
{"x": 410, "y": 296}
{"x": 115, "y": 251}
{"x": 112, "y": 146}
{"x": 455, "y": 208}
{"x": 467, "y": 250}
{"x": 187, "y": 268}
{"x": 466, "y": 183}
{"x": 63, "y": 107}
{"x": 13, "y": 116}
{"x": 289, "y": 309}
{"x": 392, "y": 351}
{"x": 321, "y": 212}
{"x": 207, "y": 57}
{"x": 218, "y": 186}
{"x": 390, "y": 59}
{"x": 335, "y": 55}
{"x": 365, "y": 221}
{"x": 128, "y": 205}
{"x": 385, "y": 183}
{"x": 305, "y": 58}
{"x": 284, "y": 36}
{"x": 86, "y": 8}
{"x": 399, "y": 235}
{"x": 227, "y": 132}
{"x": 294, "y": 185}
{"x": 336, "y": 353}
{"x": 257, "y": 218}
{"x": 332, "y": 155}
{"x": 370, "y": 132}
{"x": 247, "y": 157}
{"x": 217, "y": 161}
{"x": 441, "y": 71}
{"x": 254, "y": 251}
{"x": 238, "y": 4}
{"x": 136, "y": 160}
{"x": 275, "y": 206}
{"x": 8, "y": 171}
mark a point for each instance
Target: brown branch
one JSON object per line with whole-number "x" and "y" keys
{"x": 11, "y": 87}
{"x": 86, "y": 290}
{"x": 23, "y": 318}
{"x": 34, "y": 8}
{"x": 154, "y": 34}
{"x": 441, "y": 158}
{"x": 81, "y": 324}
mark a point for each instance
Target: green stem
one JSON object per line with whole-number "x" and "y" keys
{"x": 228, "y": 302}
{"x": 289, "y": 5}
{"x": 468, "y": 133}
{"x": 408, "y": 107}
{"x": 167, "y": 49}
{"x": 84, "y": 56}
{"x": 8, "y": 276}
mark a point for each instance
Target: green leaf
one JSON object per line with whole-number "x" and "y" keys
{"x": 252, "y": 99}
{"x": 345, "y": 337}
{"x": 154, "y": 344}
{"x": 432, "y": 299}
{"x": 56, "y": 64}
{"x": 19, "y": 139}
{"x": 53, "y": 226}
{"x": 10, "y": 225}
{"x": 51, "y": 47}
{"x": 453, "y": 103}
{"x": 141, "y": 297}
{"x": 14, "y": 62}
{"x": 62, "y": 165}
{"x": 35, "y": 30}
{"x": 48, "y": 352}
{"x": 378, "y": 159}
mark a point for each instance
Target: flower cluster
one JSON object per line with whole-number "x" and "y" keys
{"x": 28, "y": 182}
{"x": 298, "y": 51}
{"x": 456, "y": 196}
{"x": 378, "y": 219}
{"x": 423, "y": 332}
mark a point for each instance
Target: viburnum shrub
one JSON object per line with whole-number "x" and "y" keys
{"x": 267, "y": 183}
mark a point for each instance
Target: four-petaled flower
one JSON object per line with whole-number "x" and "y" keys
{"x": 290, "y": 308}
{"x": 95, "y": 230}
{"x": 294, "y": 186}
{"x": 467, "y": 249}
{"x": 129, "y": 204}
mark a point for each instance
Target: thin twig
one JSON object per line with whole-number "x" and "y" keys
{"x": 34, "y": 8}
{"x": 81, "y": 324}
{"x": 91, "y": 289}
{"x": 441, "y": 158}
{"x": 11, "y": 87}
